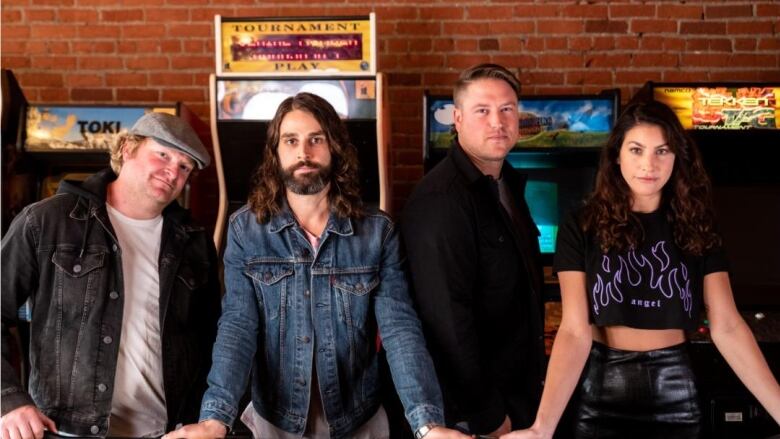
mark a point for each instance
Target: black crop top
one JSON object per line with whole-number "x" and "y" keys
{"x": 655, "y": 286}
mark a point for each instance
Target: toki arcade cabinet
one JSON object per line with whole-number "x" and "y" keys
{"x": 736, "y": 127}
{"x": 262, "y": 61}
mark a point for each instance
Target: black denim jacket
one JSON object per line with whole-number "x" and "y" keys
{"x": 478, "y": 295}
{"x": 62, "y": 253}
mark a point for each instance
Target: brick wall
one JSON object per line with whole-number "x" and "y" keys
{"x": 147, "y": 51}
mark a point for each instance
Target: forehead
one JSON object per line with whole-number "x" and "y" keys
{"x": 299, "y": 122}
{"x": 488, "y": 90}
{"x": 645, "y": 134}
{"x": 153, "y": 145}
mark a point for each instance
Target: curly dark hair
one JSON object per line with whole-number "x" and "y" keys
{"x": 267, "y": 196}
{"x": 686, "y": 197}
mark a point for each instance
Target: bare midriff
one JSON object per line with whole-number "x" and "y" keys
{"x": 633, "y": 339}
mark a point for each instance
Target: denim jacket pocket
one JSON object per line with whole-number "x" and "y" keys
{"x": 271, "y": 283}
{"x": 353, "y": 293}
{"x": 69, "y": 261}
{"x": 193, "y": 277}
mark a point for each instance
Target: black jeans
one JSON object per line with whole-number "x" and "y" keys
{"x": 627, "y": 394}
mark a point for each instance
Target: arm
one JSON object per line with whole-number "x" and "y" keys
{"x": 19, "y": 280}
{"x": 409, "y": 361}
{"x": 569, "y": 353}
{"x": 736, "y": 343}
{"x": 233, "y": 350}
{"x": 440, "y": 238}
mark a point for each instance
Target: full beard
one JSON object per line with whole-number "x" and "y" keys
{"x": 307, "y": 184}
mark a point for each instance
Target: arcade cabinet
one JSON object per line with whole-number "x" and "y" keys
{"x": 262, "y": 61}
{"x": 736, "y": 126}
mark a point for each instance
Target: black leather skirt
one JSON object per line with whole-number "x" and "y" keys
{"x": 628, "y": 394}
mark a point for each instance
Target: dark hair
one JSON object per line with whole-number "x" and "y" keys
{"x": 484, "y": 71}
{"x": 267, "y": 196}
{"x": 686, "y": 197}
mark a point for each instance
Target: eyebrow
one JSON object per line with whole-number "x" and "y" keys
{"x": 315, "y": 133}
{"x": 645, "y": 146}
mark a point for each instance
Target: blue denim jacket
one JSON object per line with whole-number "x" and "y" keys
{"x": 288, "y": 305}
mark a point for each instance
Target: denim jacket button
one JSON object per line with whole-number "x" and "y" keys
{"x": 114, "y": 247}
{"x": 113, "y": 295}
{"x": 107, "y": 339}
{"x": 359, "y": 286}
{"x": 94, "y": 429}
{"x": 102, "y": 387}
{"x": 77, "y": 268}
{"x": 305, "y": 339}
{"x": 267, "y": 276}
{"x": 307, "y": 293}
{"x": 501, "y": 238}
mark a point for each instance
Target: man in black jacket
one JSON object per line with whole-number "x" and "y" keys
{"x": 124, "y": 293}
{"x": 475, "y": 264}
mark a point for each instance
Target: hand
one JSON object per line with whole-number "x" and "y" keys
{"x": 25, "y": 422}
{"x": 208, "y": 429}
{"x": 445, "y": 433}
{"x": 503, "y": 429}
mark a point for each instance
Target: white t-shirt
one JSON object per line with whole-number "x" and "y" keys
{"x": 138, "y": 404}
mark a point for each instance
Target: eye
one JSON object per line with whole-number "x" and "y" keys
{"x": 290, "y": 141}
{"x": 162, "y": 154}
{"x": 635, "y": 150}
{"x": 185, "y": 168}
{"x": 317, "y": 140}
{"x": 663, "y": 151}
{"x": 482, "y": 111}
{"x": 508, "y": 109}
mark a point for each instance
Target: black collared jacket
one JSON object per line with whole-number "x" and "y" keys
{"x": 62, "y": 253}
{"x": 477, "y": 282}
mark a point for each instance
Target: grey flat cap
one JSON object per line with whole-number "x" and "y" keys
{"x": 173, "y": 132}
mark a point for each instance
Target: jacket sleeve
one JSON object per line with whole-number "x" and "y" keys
{"x": 441, "y": 240}
{"x": 236, "y": 341}
{"x": 410, "y": 363}
{"x": 19, "y": 281}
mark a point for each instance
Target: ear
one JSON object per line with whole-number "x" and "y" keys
{"x": 457, "y": 117}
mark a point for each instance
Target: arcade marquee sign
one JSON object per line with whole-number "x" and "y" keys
{"x": 329, "y": 46}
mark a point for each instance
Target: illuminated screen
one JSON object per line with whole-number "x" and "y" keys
{"x": 545, "y": 122}
{"x": 542, "y": 199}
{"x": 80, "y": 128}
{"x": 258, "y": 99}
{"x": 722, "y": 107}
{"x": 300, "y": 47}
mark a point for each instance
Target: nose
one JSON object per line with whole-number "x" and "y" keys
{"x": 495, "y": 119}
{"x": 648, "y": 162}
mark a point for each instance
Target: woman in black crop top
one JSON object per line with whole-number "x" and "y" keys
{"x": 636, "y": 264}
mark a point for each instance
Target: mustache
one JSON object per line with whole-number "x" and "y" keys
{"x": 304, "y": 163}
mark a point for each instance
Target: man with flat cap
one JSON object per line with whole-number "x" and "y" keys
{"x": 124, "y": 292}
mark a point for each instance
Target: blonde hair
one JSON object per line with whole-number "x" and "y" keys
{"x": 127, "y": 141}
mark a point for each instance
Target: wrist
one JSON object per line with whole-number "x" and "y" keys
{"x": 424, "y": 430}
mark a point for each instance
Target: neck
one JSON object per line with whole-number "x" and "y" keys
{"x": 311, "y": 211}
{"x": 487, "y": 167}
{"x": 121, "y": 199}
{"x": 646, "y": 204}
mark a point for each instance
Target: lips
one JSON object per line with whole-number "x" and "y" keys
{"x": 647, "y": 179}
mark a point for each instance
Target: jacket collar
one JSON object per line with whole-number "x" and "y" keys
{"x": 473, "y": 175}
{"x": 285, "y": 219}
{"x": 92, "y": 196}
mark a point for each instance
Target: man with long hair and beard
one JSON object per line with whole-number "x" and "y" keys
{"x": 310, "y": 276}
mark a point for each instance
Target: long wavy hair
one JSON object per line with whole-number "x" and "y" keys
{"x": 686, "y": 198}
{"x": 267, "y": 196}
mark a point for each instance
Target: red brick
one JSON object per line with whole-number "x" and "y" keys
{"x": 534, "y": 44}
{"x": 54, "y": 62}
{"x": 703, "y": 60}
{"x": 538, "y": 11}
{"x": 743, "y": 75}
{"x": 559, "y": 26}
{"x": 40, "y": 79}
{"x": 441, "y": 79}
{"x": 171, "y": 78}
{"x": 395, "y": 79}
{"x": 609, "y": 60}
{"x": 674, "y": 44}
{"x": 631, "y": 10}
{"x": 14, "y": 47}
{"x": 510, "y": 44}
{"x": 83, "y": 80}
{"x": 443, "y": 44}
{"x": 396, "y": 13}
{"x": 191, "y": 30}
{"x": 465, "y": 28}
{"x": 14, "y": 31}
{"x": 515, "y": 60}
{"x": 463, "y": 45}
{"x": 604, "y": 43}
{"x": 53, "y": 31}
{"x": 769, "y": 75}
{"x": 33, "y": 15}
{"x": 142, "y": 31}
{"x": 654, "y": 60}
{"x": 122, "y": 15}
{"x": 419, "y": 44}
{"x": 633, "y": 77}
{"x": 137, "y": 95}
{"x": 556, "y": 43}
{"x": 606, "y": 26}
{"x": 52, "y": 95}
{"x": 126, "y": 79}
{"x": 677, "y": 12}
{"x": 701, "y": 28}
{"x": 92, "y": 94}
{"x": 171, "y": 15}
{"x": 768, "y": 10}
{"x": 147, "y": 63}
{"x": 207, "y": 14}
{"x": 769, "y": 44}
{"x": 687, "y": 75}
{"x": 418, "y": 28}
{"x": 422, "y": 61}
{"x": 745, "y": 44}
{"x": 728, "y": 11}
{"x": 440, "y": 13}
{"x": 652, "y": 43}
{"x": 750, "y": 27}
{"x": 57, "y": 3}
{"x": 99, "y": 31}
{"x": 460, "y": 62}
{"x": 510, "y": 27}
{"x": 560, "y": 61}
{"x": 489, "y": 12}
{"x": 100, "y": 63}
{"x": 189, "y": 47}
{"x": 184, "y": 94}
{"x": 751, "y": 60}
{"x": 77, "y": 15}
{"x": 582, "y": 77}
{"x": 93, "y": 47}
{"x": 192, "y": 62}
{"x": 653, "y": 26}
{"x": 581, "y": 43}
{"x": 397, "y": 44}
{"x": 12, "y": 15}
{"x": 16, "y": 62}
{"x": 584, "y": 11}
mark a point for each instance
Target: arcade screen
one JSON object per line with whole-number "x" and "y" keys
{"x": 545, "y": 121}
{"x": 722, "y": 106}
{"x": 79, "y": 128}
{"x": 258, "y": 99}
